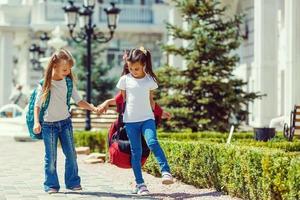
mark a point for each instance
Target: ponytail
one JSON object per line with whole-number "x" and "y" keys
{"x": 143, "y": 56}
{"x": 125, "y": 66}
{"x": 148, "y": 65}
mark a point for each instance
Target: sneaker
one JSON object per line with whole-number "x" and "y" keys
{"x": 167, "y": 178}
{"x": 141, "y": 189}
{"x": 52, "y": 191}
{"x": 76, "y": 188}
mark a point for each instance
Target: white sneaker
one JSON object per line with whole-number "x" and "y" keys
{"x": 76, "y": 188}
{"x": 167, "y": 178}
{"x": 141, "y": 189}
{"x": 52, "y": 191}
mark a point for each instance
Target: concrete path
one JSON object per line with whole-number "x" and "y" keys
{"x": 22, "y": 176}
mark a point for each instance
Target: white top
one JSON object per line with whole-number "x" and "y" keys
{"x": 58, "y": 108}
{"x": 138, "y": 106}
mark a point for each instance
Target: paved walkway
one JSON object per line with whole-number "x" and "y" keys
{"x": 21, "y": 177}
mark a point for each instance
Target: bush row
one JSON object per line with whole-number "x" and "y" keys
{"x": 201, "y": 135}
{"x": 246, "y": 168}
{"x": 240, "y": 139}
{"x": 97, "y": 140}
{"x": 245, "y": 172}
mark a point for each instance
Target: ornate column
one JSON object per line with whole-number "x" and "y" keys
{"x": 6, "y": 66}
{"x": 265, "y": 60}
{"x": 292, "y": 75}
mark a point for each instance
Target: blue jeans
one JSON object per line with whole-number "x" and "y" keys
{"x": 51, "y": 132}
{"x": 134, "y": 132}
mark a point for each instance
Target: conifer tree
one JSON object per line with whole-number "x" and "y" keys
{"x": 205, "y": 94}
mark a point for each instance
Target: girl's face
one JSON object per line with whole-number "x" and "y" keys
{"x": 62, "y": 69}
{"x": 136, "y": 69}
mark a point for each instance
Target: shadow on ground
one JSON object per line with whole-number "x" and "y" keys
{"x": 175, "y": 196}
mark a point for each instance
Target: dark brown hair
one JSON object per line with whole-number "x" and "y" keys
{"x": 139, "y": 55}
{"x": 125, "y": 67}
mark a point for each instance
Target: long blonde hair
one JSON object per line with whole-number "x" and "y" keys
{"x": 61, "y": 54}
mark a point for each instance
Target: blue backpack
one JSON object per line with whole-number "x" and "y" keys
{"x": 30, "y": 112}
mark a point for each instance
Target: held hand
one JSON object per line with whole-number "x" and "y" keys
{"x": 102, "y": 108}
{"x": 93, "y": 108}
{"x": 166, "y": 115}
{"x": 37, "y": 128}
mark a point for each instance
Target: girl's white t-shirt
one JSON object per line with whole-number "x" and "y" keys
{"x": 58, "y": 108}
{"x": 138, "y": 106}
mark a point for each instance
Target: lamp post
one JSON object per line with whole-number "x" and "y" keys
{"x": 88, "y": 33}
{"x": 38, "y": 51}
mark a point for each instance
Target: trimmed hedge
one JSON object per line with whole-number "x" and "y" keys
{"x": 247, "y": 169}
{"x": 97, "y": 141}
{"x": 201, "y": 135}
{"x": 245, "y": 172}
{"x": 278, "y": 144}
{"x": 240, "y": 139}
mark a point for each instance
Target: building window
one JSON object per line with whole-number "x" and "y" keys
{"x": 114, "y": 57}
{"x": 128, "y": 2}
{"x": 115, "y": 52}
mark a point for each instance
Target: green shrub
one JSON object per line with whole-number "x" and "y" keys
{"x": 283, "y": 145}
{"x": 201, "y": 135}
{"x": 240, "y": 139}
{"x": 97, "y": 141}
{"x": 246, "y": 172}
{"x": 294, "y": 179}
{"x": 247, "y": 168}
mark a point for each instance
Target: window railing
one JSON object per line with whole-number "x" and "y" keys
{"x": 135, "y": 14}
{"x": 130, "y": 14}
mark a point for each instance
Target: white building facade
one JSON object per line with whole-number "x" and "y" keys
{"x": 270, "y": 55}
{"x": 141, "y": 23}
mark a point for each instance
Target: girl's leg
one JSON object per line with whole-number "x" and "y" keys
{"x": 72, "y": 179}
{"x": 133, "y": 131}
{"x": 50, "y": 135}
{"x": 149, "y": 132}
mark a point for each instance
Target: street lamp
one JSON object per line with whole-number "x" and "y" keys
{"x": 44, "y": 38}
{"x": 88, "y": 33}
{"x": 38, "y": 51}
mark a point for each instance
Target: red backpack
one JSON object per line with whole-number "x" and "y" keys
{"x": 118, "y": 142}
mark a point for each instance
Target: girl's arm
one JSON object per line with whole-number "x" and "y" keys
{"x": 109, "y": 102}
{"x": 36, "y": 113}
{"x": 159, "y": 113}
{"x": 123, "y": 92}
{"x": 85, "y": 105}
{"x": 37, "y": 125}
{"x": 80, "y": 102}
{"x": 152, "y": 102}
{"x": 104, "y": 106}
{"x": 166, "y": 115}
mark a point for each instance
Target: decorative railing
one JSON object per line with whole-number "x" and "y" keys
{"x": 130, "y": 14}
{"x": 134, "y": 14}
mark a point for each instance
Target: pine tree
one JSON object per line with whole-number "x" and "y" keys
{"x": 205, "y": 94}
{"x": 102, "y": 83}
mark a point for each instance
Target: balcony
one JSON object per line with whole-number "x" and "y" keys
{"x": 130, "y": 14}
{"x": 51, "y": 12}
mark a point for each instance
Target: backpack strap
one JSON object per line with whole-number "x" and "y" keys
{"x": 45, "y": 104}
{"x": 69, "y": 83}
